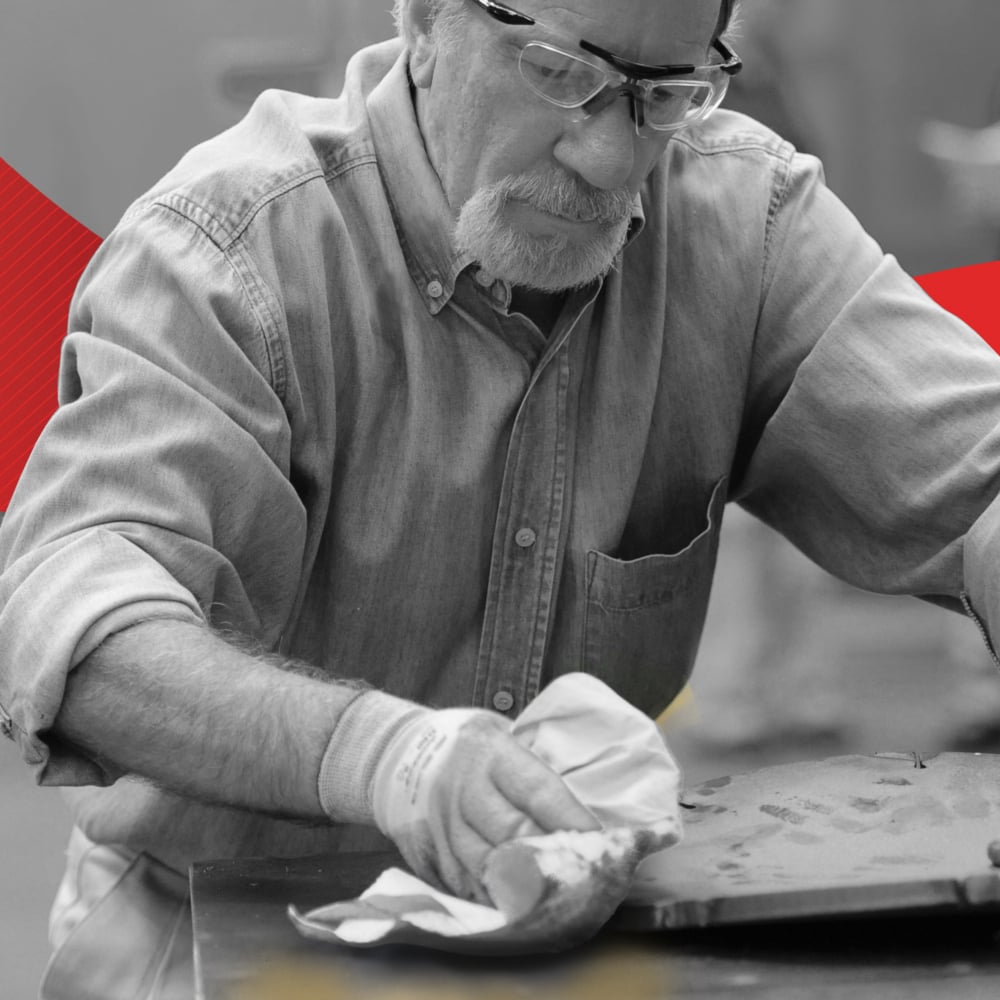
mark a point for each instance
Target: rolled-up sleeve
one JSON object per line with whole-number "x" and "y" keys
{"x": 155, "y": 489}
{"x": 982, "y": 573}
{"x": 879, "y": 449}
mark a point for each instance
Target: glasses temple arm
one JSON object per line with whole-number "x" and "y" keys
{"x": 506, "y": 15}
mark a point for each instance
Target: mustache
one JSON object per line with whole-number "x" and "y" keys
{"x": 569, "y": 197}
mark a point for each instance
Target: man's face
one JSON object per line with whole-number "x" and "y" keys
{"x": 544, "y": 201}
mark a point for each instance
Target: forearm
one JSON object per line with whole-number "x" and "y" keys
{"x": 175, "y": 703}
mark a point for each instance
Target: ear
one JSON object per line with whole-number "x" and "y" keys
{"x": 416, "y": 21}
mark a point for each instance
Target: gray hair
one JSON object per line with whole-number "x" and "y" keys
{"x": 734, "y": 20}
{"x": 446, "y": 15}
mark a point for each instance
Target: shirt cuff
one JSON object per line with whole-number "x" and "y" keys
{"x": 981, "y": 556}
{"x": 364, "y": 730}
{"x": 60, "y": 608}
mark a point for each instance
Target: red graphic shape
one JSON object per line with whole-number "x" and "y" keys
{"x": 42, "y": 253}
{"x": 971, "y": 293}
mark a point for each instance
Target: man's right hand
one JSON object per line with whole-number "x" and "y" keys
{"x": 453, "y": 784}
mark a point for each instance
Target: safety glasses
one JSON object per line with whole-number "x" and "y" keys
{"x": 662, "y": 98}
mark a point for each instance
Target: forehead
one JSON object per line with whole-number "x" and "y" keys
{"x": 653, "y": 31}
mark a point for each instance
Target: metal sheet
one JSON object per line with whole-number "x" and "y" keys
{"x": 886, "y": 833}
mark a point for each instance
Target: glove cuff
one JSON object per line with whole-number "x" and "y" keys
{"x": 363, "y": 732}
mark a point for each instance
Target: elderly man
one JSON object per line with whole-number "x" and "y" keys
{"x": 422, "y": 397}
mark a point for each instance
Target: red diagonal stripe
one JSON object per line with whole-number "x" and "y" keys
{"x": 27, "y": 228}
{"x": 43, "y": 241}
{"x": 42, "y": 253}
{"x": 61, "y": 274}
{"x": 24, "y": 350}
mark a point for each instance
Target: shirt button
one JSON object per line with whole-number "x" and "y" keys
{"x": 503, "y": 701}
{"x": 525, "y": 538}
{"x": 435, "y": 289}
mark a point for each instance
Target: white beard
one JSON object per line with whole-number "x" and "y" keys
{"x": 549, "y": 263}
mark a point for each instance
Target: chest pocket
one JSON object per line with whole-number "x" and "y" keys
{"x": 643, "y": 617}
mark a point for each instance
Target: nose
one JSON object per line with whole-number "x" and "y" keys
{"x": 601, "y": 149}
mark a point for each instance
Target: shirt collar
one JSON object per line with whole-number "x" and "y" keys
{"x": 423, "y": 217}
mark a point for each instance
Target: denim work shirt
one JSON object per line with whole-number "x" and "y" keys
{"x": 288, "y": 408}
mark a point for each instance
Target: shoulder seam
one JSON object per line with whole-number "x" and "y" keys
{"x": 779, "y": 191}
{"x": 223, "y": 236}
{"x": 276, "y": 375}
{"x": 746, "y": 144}
{"x": 259, "y": 298}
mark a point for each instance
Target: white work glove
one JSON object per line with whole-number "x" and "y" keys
{"x": 454, "y": 784}
{"x": 447, "y": 786}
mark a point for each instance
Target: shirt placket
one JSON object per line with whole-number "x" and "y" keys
{"x": 528, "y": 537}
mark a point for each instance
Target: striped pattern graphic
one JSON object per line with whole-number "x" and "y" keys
{"x": 42, "y": 253}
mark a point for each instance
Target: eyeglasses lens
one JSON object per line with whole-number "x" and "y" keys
{"x": 558, "y": 76}
{"x": 569, "y": 82}
{"x": 669, "y": 104}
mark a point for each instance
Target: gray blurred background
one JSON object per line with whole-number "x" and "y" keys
{"x": 99, "y": 97}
